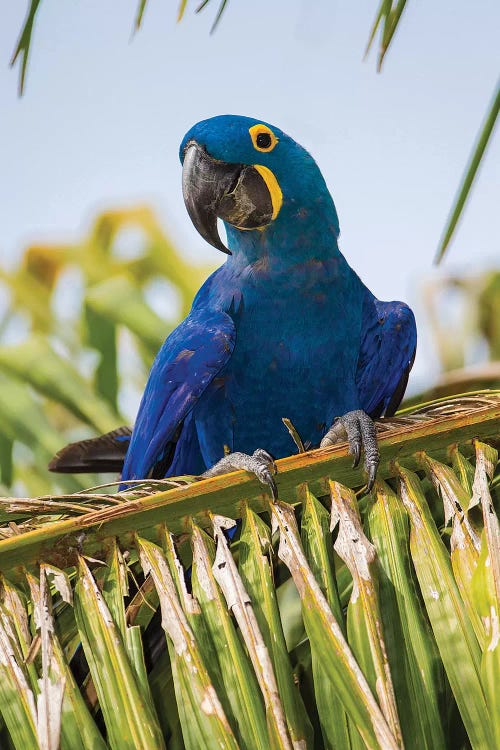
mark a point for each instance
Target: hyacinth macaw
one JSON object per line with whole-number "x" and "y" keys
{"x": 284, "y": 328}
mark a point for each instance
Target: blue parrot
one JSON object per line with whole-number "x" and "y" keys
{"x": 284, "y": 328}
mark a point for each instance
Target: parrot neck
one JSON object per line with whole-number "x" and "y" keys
{"x": 301, "y": 231}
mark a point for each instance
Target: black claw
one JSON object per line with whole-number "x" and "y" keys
{"x": 267, "y": 473}
{"x": 274, "y": 489}
{"x": 268, "y": 479}
{"x": 356, "y": 452}
{"x": 372, "y": 473}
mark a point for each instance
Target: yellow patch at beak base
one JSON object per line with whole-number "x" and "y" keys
{"x": 273, "y": 187}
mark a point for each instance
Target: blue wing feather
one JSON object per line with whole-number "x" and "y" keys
{"x": 388, "y": 345}
{"x": 189, "y": 359}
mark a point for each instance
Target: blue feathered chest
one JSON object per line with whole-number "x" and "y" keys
{"x": 295, "y": 353}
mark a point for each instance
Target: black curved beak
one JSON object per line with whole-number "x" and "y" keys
{"x": 214, "y": 189}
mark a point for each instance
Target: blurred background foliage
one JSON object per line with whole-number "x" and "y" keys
{"x": 464, "y": 317}
{"x": 79, "y": 331}
{"x": 82, "y": 323}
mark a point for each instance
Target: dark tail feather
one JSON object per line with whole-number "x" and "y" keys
{"x": 398, "y": 394}
{"x": 101, "y": 454}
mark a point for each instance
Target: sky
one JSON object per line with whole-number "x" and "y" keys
{"x": 105, "y": 110}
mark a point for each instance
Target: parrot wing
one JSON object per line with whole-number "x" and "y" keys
{"x": 388, "y": 346}
{"x": 188, "y": 361}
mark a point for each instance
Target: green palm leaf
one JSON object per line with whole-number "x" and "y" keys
{"x": 235, "y": 682}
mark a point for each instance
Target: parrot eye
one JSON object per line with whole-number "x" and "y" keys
{"x": 263, "y": 138}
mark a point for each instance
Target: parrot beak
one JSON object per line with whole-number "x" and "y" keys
{"x": 212, "y": 189}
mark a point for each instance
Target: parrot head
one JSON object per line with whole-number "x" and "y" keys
{"x": 249, "y": 174}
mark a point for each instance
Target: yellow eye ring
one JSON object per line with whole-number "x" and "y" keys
{"x": 263, "y": 138}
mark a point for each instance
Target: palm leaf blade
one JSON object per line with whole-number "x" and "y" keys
{"x": 452, "y": 628}
{"x": 411, "y": 648}
{"x": 469, "y": 176}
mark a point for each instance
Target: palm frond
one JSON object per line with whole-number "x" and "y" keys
{"x": 469, "y": 175}
{"x": 140, "y": 13}
{"x": 387, "y": 19}
{"x": 431, "y": 428}
{"x": 23, "y": 45}
{"x": 239, "y": 676}
{"x": 379, "y": 660}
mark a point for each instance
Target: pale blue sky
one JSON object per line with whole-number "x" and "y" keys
{"x": 103, "y": 115}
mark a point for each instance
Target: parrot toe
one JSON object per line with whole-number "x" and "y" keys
{"x": 361, "y": 433}
{"x": 260, "y": 463}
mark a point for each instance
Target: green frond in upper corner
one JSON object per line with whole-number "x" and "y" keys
{"x": 387, "y": 19}
{"x": 388, "y": 16}
{"x": 222, "y": 7}
{"x": 182, "y": 8}
{"x": 469, "y": 176}
{"x": 24, "y": 43}
{"x": 140, "y": 13}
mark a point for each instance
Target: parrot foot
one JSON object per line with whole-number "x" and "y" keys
{"x": 361, "y": 432}
{"x": 259, "y": 463}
